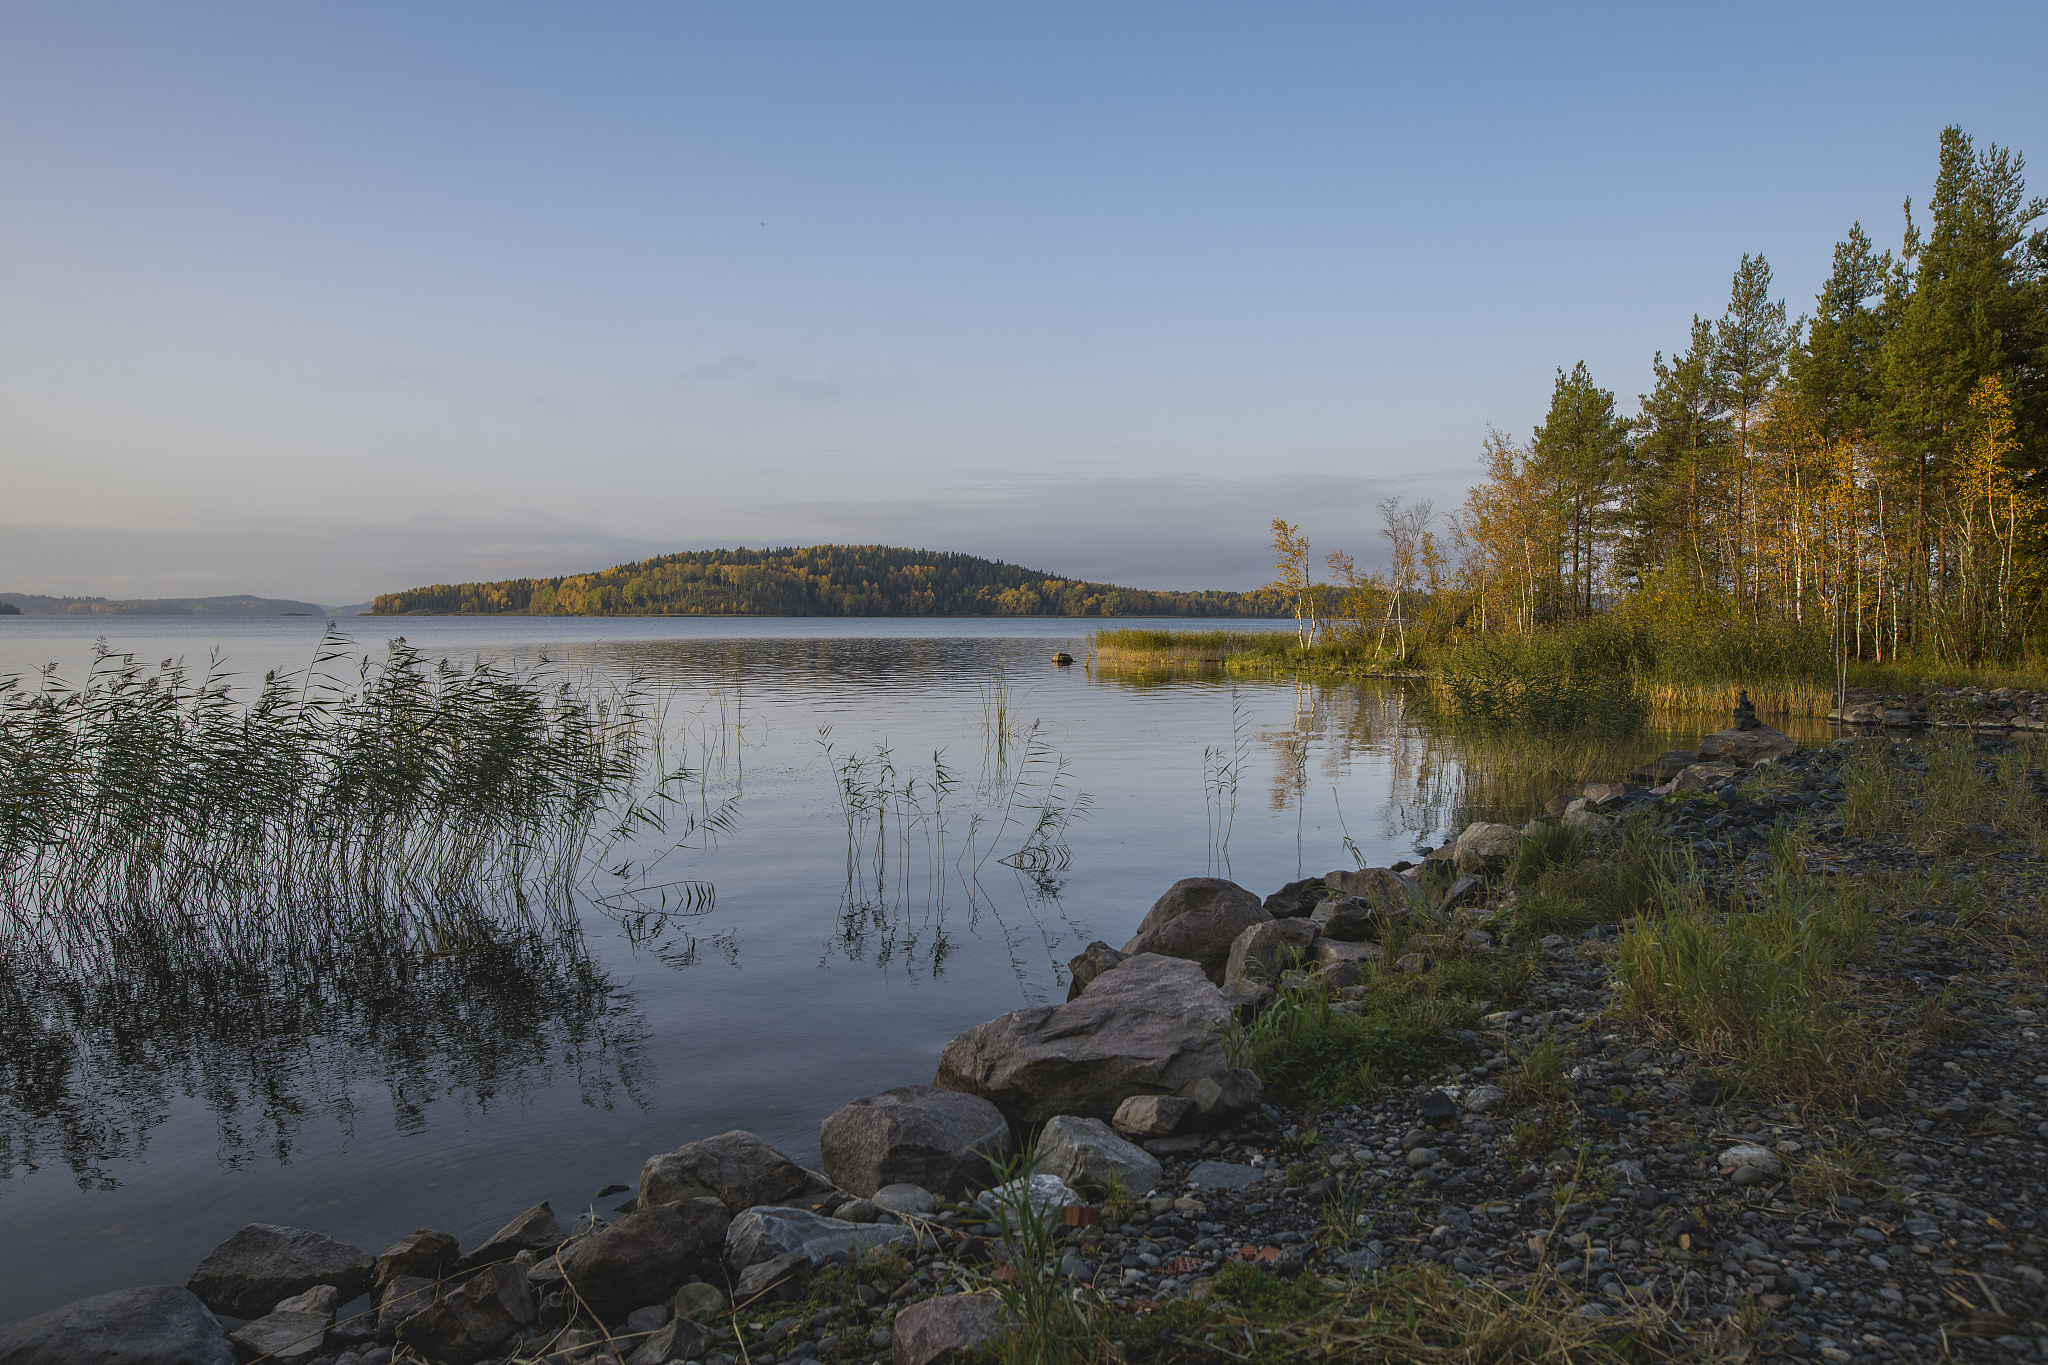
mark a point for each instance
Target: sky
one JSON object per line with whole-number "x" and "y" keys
{"x": 321, "y": 301}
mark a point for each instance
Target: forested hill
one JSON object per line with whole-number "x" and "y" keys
{"x": 820, "y": 580}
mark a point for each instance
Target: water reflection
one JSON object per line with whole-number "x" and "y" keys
{"x": 271, "y": 1031}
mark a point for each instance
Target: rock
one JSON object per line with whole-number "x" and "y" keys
{"x": 1460, "y": 891}
{"x": 402, "y": 1297}
{"x": 1330, "y": 951}
{"x": 943, "y": 1140}
{"x": 1086, "y": 1151}
{"x": 736, "y": 1167}
{"x": 1747, "y": 747}
{"x": 1380, "y": 888}
{"x": 475, "y": 1319}
{"x": 282, "y": 1336}
{"x": 958, "y": 1327}
{"x": 1420, "y": 1158}
{"x": 1046, "y": 1195}
{"x": 425, "y": 1253}
{"x": 1092, "y": 961}
{"x": 1198, "y": 919}
{"x": 249, "y": 1272}
{"x": 156, "y": 1325}
{"x": 1486, "y": 848}
{"x": 321, "y": 1298}
{"x": 1340, "y": 976}
{"x": 912, "y": 1201}
{"x": 1247, "y": 999}
{"x": 534, "y": 1230}
{"x": 1263, "y": 951}
{"x": 1608, "y": 793}
{"x": 783, "y": 1276}
{"x": 677, "y": 1339}
{"x": 638, "y": 1260}
{"x": 1346, "y": 920}
{"x": 698, "y": 1302}
{"x": 1296, "y": 898}
{"x": 764, "y": 1233}
{"x": 1483, "y": 1099}
{"x": 707, "y": 1215}
{"x": 1224, "y": 1175}
{"x": 1437, "y": 1107}
{"x": 1748, "y": 1155}
{"x": 1151, "y": 1116}
{"x": 1555, "y": 806}
{"x": 1149, "y": 1026}
{"x": 1220, "y": 1099}
{"x": 861, "y": 1210}
{"x": 1580, "y": 815}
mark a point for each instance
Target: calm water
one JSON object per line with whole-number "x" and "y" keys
{"x": 767, "y": 971}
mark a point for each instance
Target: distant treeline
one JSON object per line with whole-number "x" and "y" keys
{"x": 31, "y": 604}
{"x": 819, "y": 580}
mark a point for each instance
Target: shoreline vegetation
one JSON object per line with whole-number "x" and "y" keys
{"x": 1854, "y": 498}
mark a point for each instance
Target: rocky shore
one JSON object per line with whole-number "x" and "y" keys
{"x": 1574, "y": 1155}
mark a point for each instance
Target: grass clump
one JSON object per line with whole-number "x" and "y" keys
{"x": 1761, "y": 992}
{"x": 1572, "y": 681}
{"x": 1565, "y": 890}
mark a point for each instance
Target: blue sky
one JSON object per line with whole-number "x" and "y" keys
{"x": 322, "y": 301}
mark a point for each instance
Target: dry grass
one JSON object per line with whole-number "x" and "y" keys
{"x": 1790, "y": 697}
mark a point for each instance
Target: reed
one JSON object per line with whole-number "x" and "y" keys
{"x": 357, "y": 788}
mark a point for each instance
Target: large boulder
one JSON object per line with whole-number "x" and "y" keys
{"x": 737, "y": 1167}
{"x": 534, "y": 1230}
{"x": 1087, "y": 1152}
{"x": 1746, "y": 747}
{"x": 636, "y": 1261}
{"x": 1147, "y": 1027}
{"x": 1265, "y": 950}
{"x": 475, "y": 1320}
{"x": 159, "y": 1324}
{"x": 914, "y": 1135}
{"x": 1198, "y": 919}
{"x": 957, "y": 1327}
{"x": 1486, "y": 848}
{"x": 762, "y": 1234}
{"x": 247, "y": 1274}
{"x": 425, "y": 1253}
{"x": 1091, "y": 962}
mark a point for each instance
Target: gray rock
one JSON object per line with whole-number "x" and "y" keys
{"x": 1224, "y": 1175}
{"x": 1149, "y": 1026}
{"x": 1420, "y": 1157}
{"x": 474, "y": 1320}
{"x": 282, "y": 1336}
{"x": 1483, "y": 1099}
{"x": 638, "y": 1260}
{"x": 1748, "y": 1155}
{"x": 1460, "y": 891}
{"x": 401, "y": 1297}
{"x": 736, "y": 1167}
{"x": 783, "y": 1276}
{"x": 534, "y": 1230}
{"x": 1089, "y": 963}
{"x": 698, "y": 1302}
{"x": 762, "y": 1234}
{"x": 249, "y": 1272}
{"x": 1261, "y": 952}
{"x": 1380, "y": 888}
{"x": 321, "y": 1298}
{"x": 905, "y": 1200}
{"x": 1151, "y": 1116}
{"x": 1221, "y": 1098}
{"x": 644, "y": 1321}
{"x": 958, "y": 1327}
{"x": 1198, "y": 919}
{"x": 155, "y": 1325}
{"x": 1484, "y": 847}
{"x": 1331, "y": 952}
{"x": 426, "y": 1253}
{"x": 943, "y": 1140}
{"x": 1746, "y": 748}
{"x": 1346, "y": 920}
{"x": 859, "y": 1211}
{"x": 677, "y": 1339}
{"x": 1086, "y": 1151}
{"x": 1044, "y": 1195}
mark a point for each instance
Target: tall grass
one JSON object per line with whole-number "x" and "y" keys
{"x": 396, "y": 782}
{"x": 1577, "y": 681}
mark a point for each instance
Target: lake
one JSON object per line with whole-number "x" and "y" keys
{"x": 896, "y": 828}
